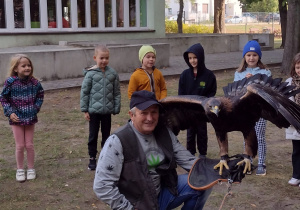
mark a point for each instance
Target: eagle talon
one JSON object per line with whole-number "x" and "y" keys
{"x": 220, "y": 165}
{"x": 247, "y": 162}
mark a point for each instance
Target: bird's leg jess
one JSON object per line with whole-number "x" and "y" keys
{"x": 223, "y": 144}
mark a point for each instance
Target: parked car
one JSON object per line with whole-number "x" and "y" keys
{"x": 272, "y": 17}
{"x": 249, "y": 18}
{"x": 234, "y": 19}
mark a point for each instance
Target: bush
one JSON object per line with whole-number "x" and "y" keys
{"x": 171, "y": 27}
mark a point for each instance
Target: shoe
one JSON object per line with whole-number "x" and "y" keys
{"x": 249, "y": 172}
{"x": 92, "y": 165}
{"x": 294, "y": 182}
{"x": 31, "y": 174}
{"x": 20, "y": 175}
{"x": 261, "y": 170}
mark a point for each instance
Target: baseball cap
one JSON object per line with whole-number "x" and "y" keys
{"x": 143, "y": 99}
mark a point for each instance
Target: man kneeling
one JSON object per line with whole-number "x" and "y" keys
{"x": 137, "y": 165}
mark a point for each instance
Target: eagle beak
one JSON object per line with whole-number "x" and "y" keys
{"x": 215, "y": 110}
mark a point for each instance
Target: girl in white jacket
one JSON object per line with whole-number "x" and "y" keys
{"x": 291, "y": 132}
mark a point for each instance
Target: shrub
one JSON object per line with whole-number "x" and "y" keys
{"x": 171, "y": 27}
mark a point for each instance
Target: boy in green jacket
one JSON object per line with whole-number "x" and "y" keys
{"x": 99, "y": 98}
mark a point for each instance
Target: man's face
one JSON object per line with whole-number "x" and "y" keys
{"x": 145, "y": 121}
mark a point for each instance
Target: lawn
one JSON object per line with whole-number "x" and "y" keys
{"x": 64, "y": 182}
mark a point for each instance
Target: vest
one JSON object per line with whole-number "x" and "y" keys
{"x": 135, "y": 183}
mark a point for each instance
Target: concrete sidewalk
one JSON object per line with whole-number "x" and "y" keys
{"x": 214, "y": 62}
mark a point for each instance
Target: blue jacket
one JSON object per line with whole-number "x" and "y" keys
{"x": 24, "y": 97}
{"x": 204, "y": 84}
{"x": 100, "y": 91}
{"x": 241, "y": 75}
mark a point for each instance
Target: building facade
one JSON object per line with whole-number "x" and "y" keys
{"x": 27, "y": 22}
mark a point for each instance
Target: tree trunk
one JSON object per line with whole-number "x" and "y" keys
{"x": 292, "y": 41}
{"x": 179, "y": 17}
{"x": 283, "y": 20}
{"x": 219, "y": 16}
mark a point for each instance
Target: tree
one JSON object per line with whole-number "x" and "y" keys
{"x": 292, "y": 41}
{"x": 262, "y": 6}
{"x": 179, "y": 17}
{"x": 219, "y": 16}
{"x": 283, "y": 20}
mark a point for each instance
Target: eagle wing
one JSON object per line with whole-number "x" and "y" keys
{"x": 268, "y": 97}
{"x": 183, "y": 111}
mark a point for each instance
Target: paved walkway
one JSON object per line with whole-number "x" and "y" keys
{"x": 215, "y": 62}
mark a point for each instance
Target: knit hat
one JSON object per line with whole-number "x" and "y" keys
{"x": 144, "y": 50}
{"x": 143, "y": 99}
{"x": 252, "y": 46}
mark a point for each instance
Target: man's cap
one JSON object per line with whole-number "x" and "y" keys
{"x": 144, "y": 50}
{"x": 143, "y": 99}
{"x": 252, "y": 46}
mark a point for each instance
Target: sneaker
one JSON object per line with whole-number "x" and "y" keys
{"x": 249, "y": 172}
{"x": 92, "y": 165}
{"x": 294, "y": 182}
{"x": 31, "y": 174}
{"x": 261, "y": 170}
{"x": 20, "y": 175}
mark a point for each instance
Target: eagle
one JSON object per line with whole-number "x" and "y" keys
{"x": 243, "y": 103}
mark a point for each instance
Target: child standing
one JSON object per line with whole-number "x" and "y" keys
{"x": 291, "y": 132}
{"x": 197, "y": 80}
{"x": 22, "y": 97}
{"x": 99, "y": 98}
{"x": 147, "y": 77}
{"x": 251, "y": 64}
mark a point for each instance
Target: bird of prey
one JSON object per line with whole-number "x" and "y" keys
{"x": 243, "y": 103}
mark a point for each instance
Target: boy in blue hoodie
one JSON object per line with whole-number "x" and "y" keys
{"x": 197, "y": 80}
{"x": 99, "y": 98}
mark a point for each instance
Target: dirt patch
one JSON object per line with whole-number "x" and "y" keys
{"x": 64, "y": 182}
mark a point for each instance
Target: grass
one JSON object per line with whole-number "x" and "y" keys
{"x": 63, "y": 181}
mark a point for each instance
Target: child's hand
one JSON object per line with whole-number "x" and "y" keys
{"x": 249, "y": 75}
{"x": 14, "y": 117}
{"x": 87, "y": 116}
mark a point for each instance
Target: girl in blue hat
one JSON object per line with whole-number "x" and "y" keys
{"x": 250, "y": 65}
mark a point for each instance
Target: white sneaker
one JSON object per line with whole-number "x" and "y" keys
{"x": 31, "y": 174}
{"x": 20, "y": 175}
{"x": 294, "y": 181}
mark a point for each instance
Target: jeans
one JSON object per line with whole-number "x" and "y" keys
{"x": 94, "y": 124}
{"x": 199, "y": 132}
{"x": 192, "y": 199}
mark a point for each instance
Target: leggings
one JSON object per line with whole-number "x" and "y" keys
{"x": 260, "y": 129}
{"x": 23, "y": 135}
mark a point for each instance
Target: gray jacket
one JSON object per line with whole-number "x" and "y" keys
{"x": 100, "y": 91}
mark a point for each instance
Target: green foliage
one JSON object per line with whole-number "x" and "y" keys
{"x": 171, "y": 27}
{"x": 260, "y": 6}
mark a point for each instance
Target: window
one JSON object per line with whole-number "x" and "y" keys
{"x": 66, "y": 13}
{"x": 94, "y": 13}
{"x": 169, "y": 11}
{"x": 76, "y": 15}
{"x": 2, "y": 14}
{"x": 51, "y": 9}
{"x": 204, "y": 8}
{"x": 108, "y": 14}
{"x": 35, "y": 13}
{"x": 18, "y": 13}
{"x": 194, "y": 8}
{"x": 81, "y": 13}
{"x": 120, "y": 13}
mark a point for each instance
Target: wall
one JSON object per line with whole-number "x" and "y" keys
{"x": 68, "y": 59}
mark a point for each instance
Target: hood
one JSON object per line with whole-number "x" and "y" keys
{"x": 92, "y": 68}
{"x": 198, "y": 50}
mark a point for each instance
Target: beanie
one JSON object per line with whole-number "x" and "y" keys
{"x": 252, "y": 46}
{"x": 144, "y": 50}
